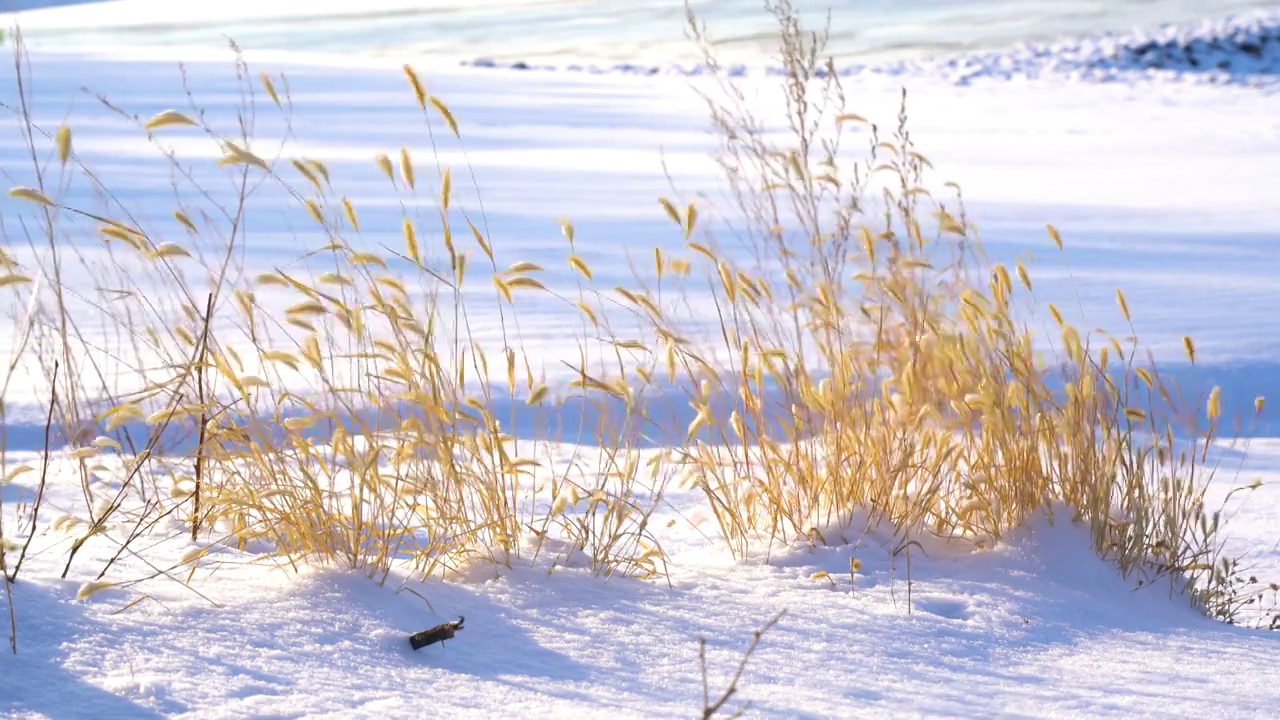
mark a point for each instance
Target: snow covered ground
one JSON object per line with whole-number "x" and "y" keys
{"x": 1164, "y": 190}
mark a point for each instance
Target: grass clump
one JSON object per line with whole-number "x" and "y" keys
{"x": 878, "y": 362}
{"x": 862, "y": 362}
{"x": 337, "y": 409}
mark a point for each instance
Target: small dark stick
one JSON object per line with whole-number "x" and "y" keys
{"x": 436, "y": 634}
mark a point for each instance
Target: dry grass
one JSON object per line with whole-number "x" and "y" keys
{"x": 875, "y": 361}
{"x": 906, "y": 374}
{"x": 358, "y": 427}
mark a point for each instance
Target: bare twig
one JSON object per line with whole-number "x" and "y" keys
{"x": 204, "y": 417}
{"x": 44, "y": 476}
{"x": 13, "y": 617}
{"x": 709, "y": 709}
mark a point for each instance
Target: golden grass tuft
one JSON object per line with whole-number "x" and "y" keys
{"x": 875, "y": 365}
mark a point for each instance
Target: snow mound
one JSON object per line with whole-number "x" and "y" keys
{"x": 1235, "y": 49}
{"x": 1247, "y": 48}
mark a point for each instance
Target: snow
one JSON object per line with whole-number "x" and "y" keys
{"x": 1159, "y": 188}
{"x": 1238, "y": 48}
{"x": 978, "y": 37}
{"x": 1036, "y": 627}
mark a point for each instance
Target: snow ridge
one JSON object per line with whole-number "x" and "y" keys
{"x": 1242, "y": 49}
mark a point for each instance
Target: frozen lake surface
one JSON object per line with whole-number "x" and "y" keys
{"x": 563, "y": 31}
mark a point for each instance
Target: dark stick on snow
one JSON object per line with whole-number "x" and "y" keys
{"x": 436, "y": 634}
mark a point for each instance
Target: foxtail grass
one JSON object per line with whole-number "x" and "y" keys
{"x": 869, "y": 363}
